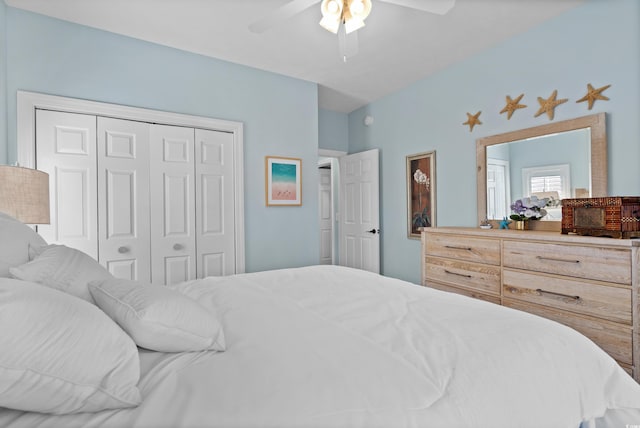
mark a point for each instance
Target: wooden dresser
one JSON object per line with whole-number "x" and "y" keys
{"x": 590, "y": 284}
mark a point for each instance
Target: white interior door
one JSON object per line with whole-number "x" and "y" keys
{"x": 215, "y": 219}
{"x": 326, "y": 216}
{"x": 498, "y": 191}
{"x": 123, "y": 198}
{"x": 172, "y": 204}
{"x": 360, "y": 211}
{"x": 66, "y": 150}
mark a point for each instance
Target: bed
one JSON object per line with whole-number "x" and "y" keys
{"x": 316, "y": 346}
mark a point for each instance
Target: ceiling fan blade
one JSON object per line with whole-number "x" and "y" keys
{"x": 281, "y": 14}
{"x": 439, "y": 7}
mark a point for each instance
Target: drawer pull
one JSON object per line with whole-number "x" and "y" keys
{"x": 540, "y": 292}
{"x": 456, "y": 273}
{"x": 557, "y": 260}
{"x": 453, "y": 247}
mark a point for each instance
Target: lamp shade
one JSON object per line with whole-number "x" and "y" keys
{"x": 24, "y": 194}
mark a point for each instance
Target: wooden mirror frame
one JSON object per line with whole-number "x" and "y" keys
{"x": 598, "y": 128}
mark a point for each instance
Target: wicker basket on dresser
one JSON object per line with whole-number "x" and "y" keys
{"x": 588, "y": 283}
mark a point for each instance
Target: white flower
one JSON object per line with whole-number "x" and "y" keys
{"x": 421, "y": 178}
{"x": 541, "y": 203}
{"x": 530, "y": 213}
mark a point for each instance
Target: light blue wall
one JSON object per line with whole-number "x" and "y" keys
{"x": 333, "y": 130}
{"x": 499, "y": 151}
{"x": 597, "y": 43}
{"x": 3, "y": 84}
{"x": 280, "y": 114}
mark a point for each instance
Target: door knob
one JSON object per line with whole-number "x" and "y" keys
{"x": 123, "y": 250}
{"x": 178, "y": 247}
{"x": 374, "y": 231}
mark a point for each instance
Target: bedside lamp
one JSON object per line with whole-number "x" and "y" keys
{"x": 24, "y": 194}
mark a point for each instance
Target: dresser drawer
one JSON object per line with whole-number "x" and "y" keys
{"x": 485, "y": 278}
{"x": 613, "y": 338}
{"x": 463, "y": 291}
{"x": 605, "y": 264}
{"x": 568, "y": 294}
{"x": 464, "y": 248}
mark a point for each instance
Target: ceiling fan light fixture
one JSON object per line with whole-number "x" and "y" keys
{"x": 331, "y": 15}
{"x": 334, "y": 7}
{"x": 331, "y": 8}
{"x": 330, "y": 23}
{"x": 359, "y": 9}
{"x": 356, "y": 7}
{"x": 343, "y": 17}
{"x": 353, "y": 24}
{"x": 350, "y": 13}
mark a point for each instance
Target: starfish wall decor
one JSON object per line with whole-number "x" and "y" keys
{"x": 473, "y": 120}
{"x": 549, "y": 105}
{"x": 594, "y": 94}
{"x": 512, "y": 105}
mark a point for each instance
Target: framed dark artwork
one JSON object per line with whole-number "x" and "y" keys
{"x": 421, "y": 192}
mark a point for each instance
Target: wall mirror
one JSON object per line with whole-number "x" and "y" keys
{"x": 566, "y": 159}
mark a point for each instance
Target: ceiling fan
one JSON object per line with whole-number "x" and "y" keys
{"x": 344, "y": 17}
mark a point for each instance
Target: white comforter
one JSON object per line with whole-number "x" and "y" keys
{"x": 335, "y": 347}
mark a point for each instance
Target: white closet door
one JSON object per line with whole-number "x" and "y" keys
{"x": 215, "y": 216}
{"x": 123, "y": 198}
{"x": 66, "y": 150}
{"x": 172, "y": 204}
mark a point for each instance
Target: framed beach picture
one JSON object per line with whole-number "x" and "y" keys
{"x": 421, "y": 192}
{"x": 283, "y": 181}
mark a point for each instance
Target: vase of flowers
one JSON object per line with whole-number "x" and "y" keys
{"x": 526, "y": 209}
{"x": 521, "y": 224}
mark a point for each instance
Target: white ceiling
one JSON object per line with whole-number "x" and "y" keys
{"x": 397, "y": 47}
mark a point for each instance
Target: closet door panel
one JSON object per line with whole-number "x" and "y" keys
{"x": 172, "y": 195}
{"x": 177, "y": 269}
{"x": 176, "y": 206}
{"x": 215, "y": 219}
{"x": 66, "y": 150}
{"x": 123, "y": 197}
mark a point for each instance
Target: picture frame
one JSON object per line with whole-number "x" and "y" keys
{"x": 421, "y": 192}
{"x": 283, "y": 181}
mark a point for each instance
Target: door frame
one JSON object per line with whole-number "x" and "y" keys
{"x": 29, "y": 102}
{"x": 332, "y": 157}
{"x": 322, "y": 164}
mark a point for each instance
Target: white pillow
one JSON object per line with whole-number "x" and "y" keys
{"x": 61, "y": 355}
{"x": 15, "y": 238}
{"x": 158, "y": 318}
{"x": 63, "y": 268}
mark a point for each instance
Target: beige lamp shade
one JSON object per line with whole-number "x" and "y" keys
{"x": 24, "y": 194}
